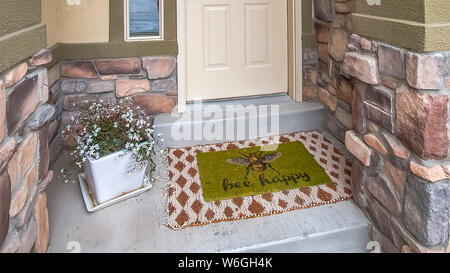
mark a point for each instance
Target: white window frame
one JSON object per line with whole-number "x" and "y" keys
{"x": 128, "y": 38}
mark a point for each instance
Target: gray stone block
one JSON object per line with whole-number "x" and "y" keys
{"x": 427, "y": 210}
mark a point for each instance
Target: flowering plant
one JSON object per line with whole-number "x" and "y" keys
{"x": 102, "y": 130}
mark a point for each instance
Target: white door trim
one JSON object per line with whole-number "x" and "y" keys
{"x": 298, "y": 51}
{"x": 181, "y": 67}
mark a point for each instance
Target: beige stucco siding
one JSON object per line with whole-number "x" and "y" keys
{"x": 21, "y": 33}
{"x": 420, "y": 25}
{"x": 84, "y": 23}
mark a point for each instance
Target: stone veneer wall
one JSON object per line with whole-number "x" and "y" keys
{"x": 150, "y": 82}
{"x": 37, "y": 104}
{"x": 310, "y": 73}
{"x": 25, "y": 130}
{"x": 391, "y": 108}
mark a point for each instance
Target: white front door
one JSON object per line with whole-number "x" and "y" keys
{"x": 235, "y": 48}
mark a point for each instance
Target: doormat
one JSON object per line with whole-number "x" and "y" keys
{"x": 187, "y": 206}
{"x": 258, "y": 170}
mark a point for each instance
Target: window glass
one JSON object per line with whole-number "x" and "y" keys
{"x": 144, "y": 18}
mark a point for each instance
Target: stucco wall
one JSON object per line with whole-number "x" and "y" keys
{"x": 84, "y": 23}
{"x": 420, "y": 25}
{"x": 21, "y": 31}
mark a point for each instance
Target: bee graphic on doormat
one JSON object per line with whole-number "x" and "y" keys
{"x": 255, "y": 161}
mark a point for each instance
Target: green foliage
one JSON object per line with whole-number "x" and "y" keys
{"x": 102, "y": 130}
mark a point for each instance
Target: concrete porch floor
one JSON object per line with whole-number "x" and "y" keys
{"x": 129, "y": 226}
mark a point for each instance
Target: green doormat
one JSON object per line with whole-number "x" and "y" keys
{"x": 252, "y": 171}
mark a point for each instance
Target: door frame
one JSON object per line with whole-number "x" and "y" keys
{"x": 294, "y": 52}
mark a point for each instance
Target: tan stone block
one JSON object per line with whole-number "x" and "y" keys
{"x": 361, "y": 66}
{"x": 422, "y": 122}
{"x": 18, "y": 200}
{"x": 159, "y": 67}
{"x": 126, "y": 88}
{"x": 23, "y": 159}
{"x": 14, "y": 169}
{"x": 174, "y": 93}
{"x": 373, "y": 141}
{"x": 15, "y": 74}
{"x": 108, "y": 77}
{"x": 154, "y": 104}
{"x": 399, "y": 150}
{"x": 338, "y": 44}
{"x": 27, "y": 150}
{"x": 2, "y": 110}
{"x": 7, "y": 150}
{"x": 431, "y": 174}
{"x": 423, "y": 71}
{"x": 358, "y": 148}
{"x": 118, "y": 66}
{"x": 328, "y": 99}
{"x": 41, "y": 216}
{"x": 79, "y": 69}
{"x": 31, "y": 176}
{"x": 310, "y": 92}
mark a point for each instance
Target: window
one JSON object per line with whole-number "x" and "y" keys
{"x": 143, "y": 20}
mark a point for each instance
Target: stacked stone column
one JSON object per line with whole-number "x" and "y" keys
{"x": 390, "y": 106}
{"x": 25, "y": 129}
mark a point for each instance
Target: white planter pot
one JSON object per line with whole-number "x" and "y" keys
{"x": 108, "y": 177}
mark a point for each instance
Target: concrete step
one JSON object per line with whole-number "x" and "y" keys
{"x": 279, "y": 114}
